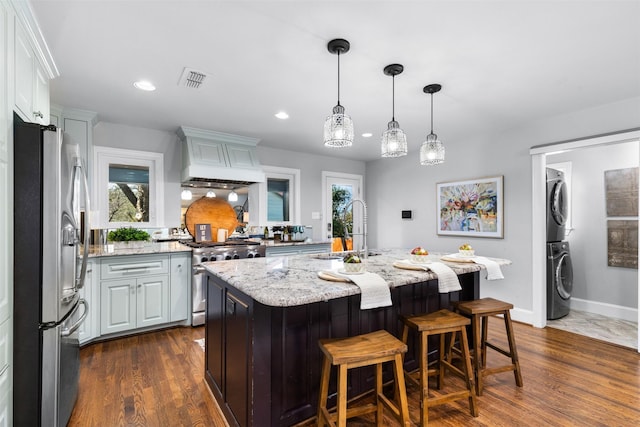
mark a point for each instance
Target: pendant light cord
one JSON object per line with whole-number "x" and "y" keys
{"x": 432, "y": 113}
{"x": 338, "y": 77}
{"x": 393, "y": 98}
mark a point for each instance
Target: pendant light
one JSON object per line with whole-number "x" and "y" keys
{"x": 432, "y": 150}
{"x": 233, "y": 196}
{"x": 338, "y": 127}
{"x": 186, "y": 195}
{"x": 211, "y": 194}
{"x": 394, "y": 140}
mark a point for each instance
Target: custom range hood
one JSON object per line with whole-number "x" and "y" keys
{"x": 218, "y": 160}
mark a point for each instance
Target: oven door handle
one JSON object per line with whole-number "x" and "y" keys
{"x": 198, "y": 269}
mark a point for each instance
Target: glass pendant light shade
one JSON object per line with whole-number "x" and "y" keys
{"x": 186, "y": 195}
{"x": 211, "y": 194}
{"x": 431, "y": 151}
{"x": 233, "y": 196}
{"x": 394, "y": 141}
{"x": 338, "y": 129}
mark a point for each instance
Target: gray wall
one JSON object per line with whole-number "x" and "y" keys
{"x": 594, "y": 280}
{"x": 396, "y": 184}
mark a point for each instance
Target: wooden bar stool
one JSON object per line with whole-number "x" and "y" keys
{"x": 441, "y": 323}
{"x": 374, "y": 348}
{"x": 479, "y": 312}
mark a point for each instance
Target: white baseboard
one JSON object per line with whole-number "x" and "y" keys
{"x": 604, "y": 309}
{"x": 522, "y": 316}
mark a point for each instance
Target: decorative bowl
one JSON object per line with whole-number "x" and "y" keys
{"x": 420, "y": 259}
{"x": 353, "y": 267}
{"x": 467, "y": 252}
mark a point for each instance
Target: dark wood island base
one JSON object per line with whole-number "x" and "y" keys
{"x": 263, "y": 362}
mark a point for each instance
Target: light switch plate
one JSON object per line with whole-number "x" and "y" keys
{"x": 315, "y": 215}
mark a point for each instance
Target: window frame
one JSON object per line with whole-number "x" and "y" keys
{"x": 103, "y": 158}
{"x": 293, "y": 176}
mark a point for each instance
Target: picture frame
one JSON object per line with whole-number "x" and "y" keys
{"x": 471, "y": 208}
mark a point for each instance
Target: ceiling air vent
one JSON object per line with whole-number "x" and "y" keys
{"x": 192, "y": 78}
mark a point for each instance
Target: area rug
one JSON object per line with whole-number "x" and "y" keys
{"x": 200, "y": 342}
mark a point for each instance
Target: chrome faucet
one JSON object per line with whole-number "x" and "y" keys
{"x": 364, "y": 225}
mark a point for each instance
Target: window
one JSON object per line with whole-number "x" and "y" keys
{"x": 128, "y": 188}
{"x": 278, "y": 197}
{"x": 128, "y": 193}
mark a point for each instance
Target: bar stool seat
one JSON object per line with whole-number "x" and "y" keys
{"x": 374, "y": 348}
{"x": 443, "y": 323}
{"x": 479, "y": 311}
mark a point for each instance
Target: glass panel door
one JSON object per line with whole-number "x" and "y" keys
{"x": 343, "y": 218}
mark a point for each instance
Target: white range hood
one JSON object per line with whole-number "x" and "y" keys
{"x": 218, "y": 160}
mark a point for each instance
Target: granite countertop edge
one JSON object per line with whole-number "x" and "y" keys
{"x": 284, "y": 281}
{"x": 136, "y": 248}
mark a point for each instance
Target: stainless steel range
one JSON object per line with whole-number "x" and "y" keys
{"x": 215, "y": 251}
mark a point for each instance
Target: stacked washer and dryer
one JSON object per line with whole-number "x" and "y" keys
{"x": 559, "y": 267}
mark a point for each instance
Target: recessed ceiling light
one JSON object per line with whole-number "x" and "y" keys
{"x": 367, "y": 135}
{"x": 282, "y": 115}
{"x": 144, "y": 85}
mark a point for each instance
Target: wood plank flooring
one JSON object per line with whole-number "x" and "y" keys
{"x": 156, "y": 379}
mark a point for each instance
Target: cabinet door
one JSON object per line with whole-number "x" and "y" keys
{"x": 180, "y": 286}
{"x": 237, "y": 364}
{"x": 41, "y": 106}
{"x": 152, "y": 295}
{"x": 23, "y": 73}
{"x": 118, "y": 308}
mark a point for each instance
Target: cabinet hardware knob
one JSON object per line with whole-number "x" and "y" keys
{"x": 38, "y": 114}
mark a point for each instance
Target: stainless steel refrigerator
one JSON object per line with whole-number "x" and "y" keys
{"x": 50, "y": 261}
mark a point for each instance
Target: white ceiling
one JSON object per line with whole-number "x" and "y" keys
{"x": 501, "y": 64}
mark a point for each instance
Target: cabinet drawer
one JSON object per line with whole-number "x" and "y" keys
{"x": 134, "y": 266}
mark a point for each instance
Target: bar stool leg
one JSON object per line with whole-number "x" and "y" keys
{"x": 468, "y": 370}
{"x": 512, "y": 348}
{"x": 342, "y": 396}
{"x": 324, "y": 391}
{"x": 402, "y": 402}
{"x": 379, "y": 406}
{"x": 441, "y": 359}
{"x": 424, "y": 379}
{"x": 477, "y": 353}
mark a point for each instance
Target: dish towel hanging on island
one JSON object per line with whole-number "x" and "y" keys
{"x": 374, "y": 290}
{"x": 447, "y": 278}
{"x": 493, "y": 269}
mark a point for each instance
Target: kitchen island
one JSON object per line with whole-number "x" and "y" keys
{"x": 265, "y": 316}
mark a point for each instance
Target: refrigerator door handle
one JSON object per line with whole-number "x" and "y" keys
{"x": 78, "y": 169}
{"x": 75, "y": 326}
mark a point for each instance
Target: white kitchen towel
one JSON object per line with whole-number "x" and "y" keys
{"x": 493, "y": 269}
{"x": 374, "y": 290}
{"x": 447, "y": 278}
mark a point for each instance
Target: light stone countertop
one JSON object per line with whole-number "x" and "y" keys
{"x": 136, "y": 248}
{"x": 284, "y": 281}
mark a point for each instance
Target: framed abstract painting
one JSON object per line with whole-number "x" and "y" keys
{"x": 472, "y": 208}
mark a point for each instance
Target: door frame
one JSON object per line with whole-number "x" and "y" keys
{"x": 326, "y": 176}
{"x": 538, "y": 239}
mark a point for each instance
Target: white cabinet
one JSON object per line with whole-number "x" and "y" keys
{"x": 134, "y": 293}
{"x": 31, "y": 83}
{"x": 180, "y": 286}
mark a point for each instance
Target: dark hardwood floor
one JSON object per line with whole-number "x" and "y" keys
{"x": 156, "y": 379}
